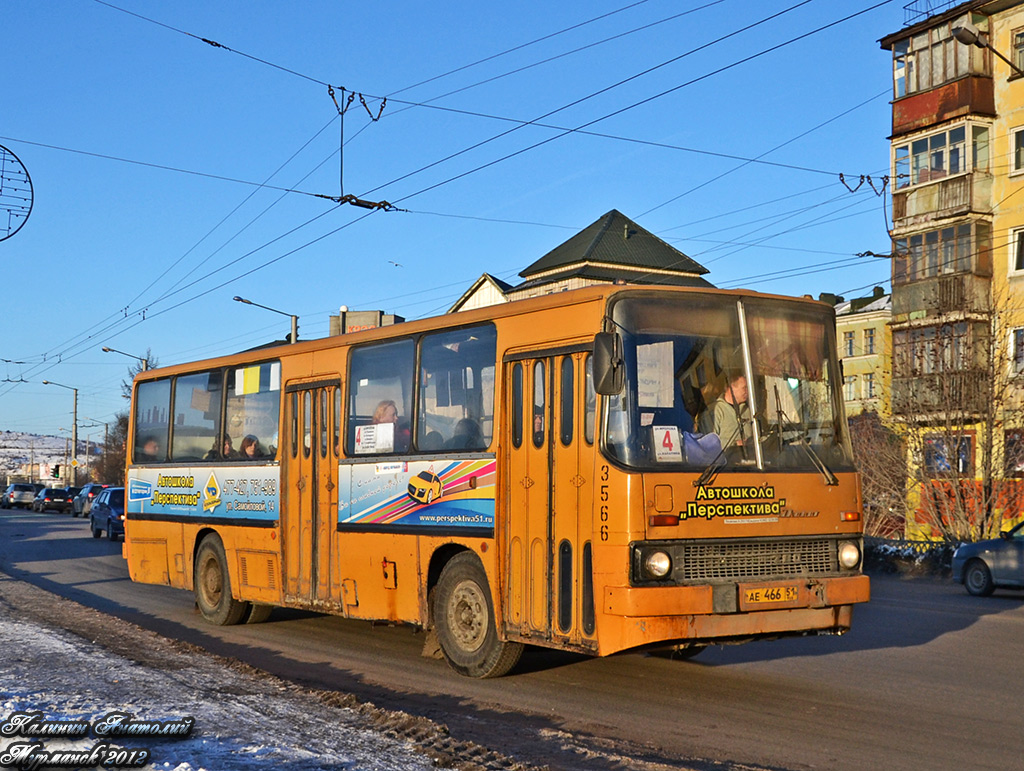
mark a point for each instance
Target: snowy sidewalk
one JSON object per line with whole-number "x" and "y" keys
{"x": 242, "y": 719}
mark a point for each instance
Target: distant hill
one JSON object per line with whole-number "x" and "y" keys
{"x": 18, "y": 449}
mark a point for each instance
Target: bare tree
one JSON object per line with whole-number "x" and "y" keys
{"x": 960, "y": 414}
{"x": 881, "y": 456}
{"x": 110, "y": 468}
{"x": 135, "y": 369}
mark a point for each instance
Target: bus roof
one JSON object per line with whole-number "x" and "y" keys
{"x": 586, "y": 295}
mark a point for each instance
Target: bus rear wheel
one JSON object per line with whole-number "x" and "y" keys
{"x": 464, "y": 619}
{"x": 213, "y": 585}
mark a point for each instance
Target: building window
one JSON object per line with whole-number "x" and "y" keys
{"x": 847, "y": 343}
{"x": 869, "y": 385}
{"x": 932, "y": 58}
{"x": 931, "y": 350}
{"x": 850, "y": 387}
{"x": 869, "y": 340}
{"x": 1018, "y": 48}
{"x": 1017, "y": 148}
{"x": 937, "y": 156}
{"x": 1013, "y": 452}
{"x": 948, "y": 455}
{"x": 957, "y": 249}
{"x": 1017, "y": 351}
{"x": 1016, "y": 260}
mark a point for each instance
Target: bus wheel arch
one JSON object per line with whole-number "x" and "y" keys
{"x": 212, "y": 584}
{"x": 463, "y": 617}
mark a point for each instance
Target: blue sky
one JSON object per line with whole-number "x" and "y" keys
{"x": 161, "y": 164}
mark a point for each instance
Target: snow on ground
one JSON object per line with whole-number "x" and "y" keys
{"x": 241, "y": 720}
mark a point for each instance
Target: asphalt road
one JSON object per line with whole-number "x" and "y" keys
{"x": 927, "y": 679}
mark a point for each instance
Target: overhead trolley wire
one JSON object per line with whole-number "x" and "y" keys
{"x": 619, "y": 111}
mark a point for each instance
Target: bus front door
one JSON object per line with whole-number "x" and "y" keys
{"x": 547, "y": 526}
{"x": 309, "y": 515}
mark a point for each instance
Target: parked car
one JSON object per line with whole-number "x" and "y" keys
{"x": 107, "y": 513}
{"x": 19, "y": 495}
{"x": 83, "y": 501}
{"x": 51, "y": 498}
{"x": 983, "y": 566}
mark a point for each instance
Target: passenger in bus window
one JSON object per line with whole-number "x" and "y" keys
{"x": 250, "y": 448}
{"x": 538, "y": 428}
{"x": 227, "y": 450}
{"x": 387, "y": 412}
{"x": 729, "y": 414}
{"x": 150, "y": 450}
{"x": 467, "y": 436}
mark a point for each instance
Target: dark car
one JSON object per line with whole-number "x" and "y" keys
{"x": 107, "y": 513}
{"x": 55, "y": 498}
{"x": 983, "y": 566}
{"x": 83, "y": 501}
{"x": 20, "y": 495}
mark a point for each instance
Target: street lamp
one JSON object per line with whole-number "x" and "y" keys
{"x": 145, "y": 362}
{"x": 74, "y": 431}
{"x": 294, "y": 318}
{"x": 970, "y": 35}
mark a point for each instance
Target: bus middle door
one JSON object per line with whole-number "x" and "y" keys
{"x": 546, "y": 595}
{"x": 309, "y": 518}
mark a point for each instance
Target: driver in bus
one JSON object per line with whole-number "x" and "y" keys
{"x": 728, "y": 416}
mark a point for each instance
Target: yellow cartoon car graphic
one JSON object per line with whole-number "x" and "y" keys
{"x": 425, "y": 487}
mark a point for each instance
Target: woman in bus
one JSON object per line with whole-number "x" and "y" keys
{"x": 387, "y": 412}
{"x": 250, "y": 448}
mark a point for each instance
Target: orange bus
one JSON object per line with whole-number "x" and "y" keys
{"x": 598, "y": 470}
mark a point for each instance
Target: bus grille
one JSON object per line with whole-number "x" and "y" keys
{"x": 716, "y": 560}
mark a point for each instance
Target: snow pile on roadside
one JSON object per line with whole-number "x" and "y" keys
{"x": 241, "y": 721}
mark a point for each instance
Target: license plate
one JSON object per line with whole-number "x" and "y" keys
{"x": 767, "y": 595}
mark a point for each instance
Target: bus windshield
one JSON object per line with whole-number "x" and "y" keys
{"x": 735, "y": 384}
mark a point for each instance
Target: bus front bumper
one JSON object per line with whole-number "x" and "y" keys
{"x": 636, "y": 617}
{"x": 732, "y": 597}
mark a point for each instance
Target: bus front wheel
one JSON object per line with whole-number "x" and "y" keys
{"x": 213, "y": 585}
{"x": 464, "y": 619}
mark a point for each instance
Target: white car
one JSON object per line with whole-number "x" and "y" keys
{"x": 19, "y": 495}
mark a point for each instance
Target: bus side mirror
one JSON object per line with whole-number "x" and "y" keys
{"x": 609, "y": 368}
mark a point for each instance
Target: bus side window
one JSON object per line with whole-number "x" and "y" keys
{"x": 253, "y": 409}
{"x": 152, "y": 418}
{"x": 294, "y": 421}
{"x": 568, "y": 403}
{"x": 456, "y": 389}
{"x": 380, "y": 398}
{"x": 324, "y": 423}
{"x": 590, "y": 400}
{"x": 517, "y": 405}
{"x": 337, "y": 421}
{"x": 197, "y": 408}
{"x": 539, "y": 402}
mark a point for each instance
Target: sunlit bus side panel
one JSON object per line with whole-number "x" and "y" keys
{"x": 203, "y": 458}
{"x": 417, "y": 465}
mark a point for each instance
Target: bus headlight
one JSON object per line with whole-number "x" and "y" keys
{"x": 849, "y": 554}
{"x": 657, "y": 564}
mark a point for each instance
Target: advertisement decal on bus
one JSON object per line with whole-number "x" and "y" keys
{"x": 426, "y": 494}
{"x": 239, "y": 495}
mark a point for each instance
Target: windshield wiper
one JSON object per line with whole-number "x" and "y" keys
{"x": 818, "y": 463}
{"x": 826, "y": 472}
{"x": 713, "y": 468}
